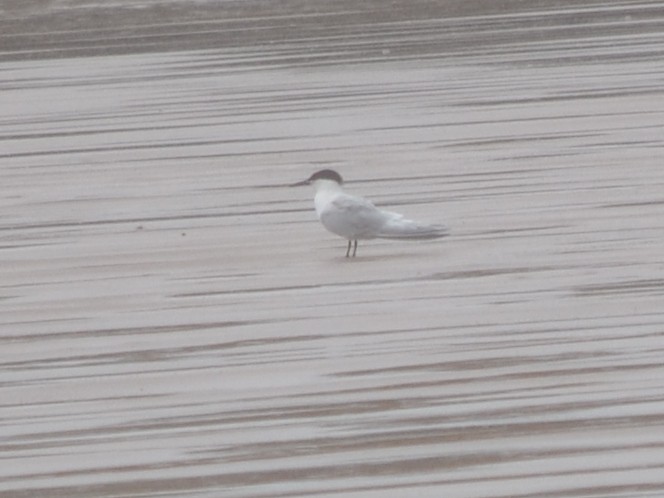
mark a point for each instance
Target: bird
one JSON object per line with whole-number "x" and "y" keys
{"x": 355, "y": 218}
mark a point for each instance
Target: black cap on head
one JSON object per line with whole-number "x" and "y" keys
{"x": 326, "y": 174}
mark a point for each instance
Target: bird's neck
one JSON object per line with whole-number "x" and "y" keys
{"x": 326, "y": 190}
{"x": 327, "y": 186}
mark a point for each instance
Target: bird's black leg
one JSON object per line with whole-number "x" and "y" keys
{"x": 348, "y": 250}
{"x": 354, "y": 247}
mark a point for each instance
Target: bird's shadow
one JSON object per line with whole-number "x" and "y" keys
{"x": 373, "y": 258}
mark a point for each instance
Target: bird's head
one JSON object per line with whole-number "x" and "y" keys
{"x": 327, "y": 175}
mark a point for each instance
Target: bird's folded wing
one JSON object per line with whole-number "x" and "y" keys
{"x": 353, "y": 217}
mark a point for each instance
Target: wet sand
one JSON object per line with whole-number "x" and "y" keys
{"x": 175, "y": 322}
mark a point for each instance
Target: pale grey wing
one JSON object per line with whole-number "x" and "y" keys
{"x": 404, "y": 229}
{"x": 398, "y": 227}
{"x": 353, "y": 217}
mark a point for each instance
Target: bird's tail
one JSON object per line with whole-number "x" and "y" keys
{"x": 402, "y": 228}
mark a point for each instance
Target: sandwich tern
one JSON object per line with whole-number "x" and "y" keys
{"x": 355, "y": 218}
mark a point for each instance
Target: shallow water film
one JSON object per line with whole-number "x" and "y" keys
{"x": 174, "y": 321}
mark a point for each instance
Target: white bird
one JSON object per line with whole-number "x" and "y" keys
{"x": 355, "y": 218}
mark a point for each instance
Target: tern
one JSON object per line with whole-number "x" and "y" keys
{"x": 355, "y": 218}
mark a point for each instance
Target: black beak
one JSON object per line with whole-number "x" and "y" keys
{"x": 299, "y": 184}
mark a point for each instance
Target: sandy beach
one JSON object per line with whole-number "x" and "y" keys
{"x": 174, "y": 321}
